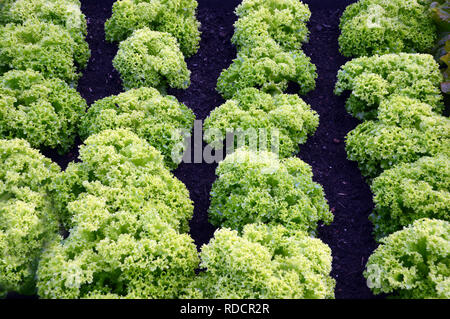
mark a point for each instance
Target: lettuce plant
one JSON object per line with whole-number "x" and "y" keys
{"x": 413, "y": 263}
{"x": 264, "y": 263}
{"x": 45, "y": 112}
{"x": 373, "y": 79}
{"x": 287, "y": 114}
{"x": 176, "y": 17}
{"x": 27, "y": 219}
{"x": 39, "y": 46}
{"x": 283, "y": 21}
{"x": 386, "y": 26}
{"x": 65, "y": 13}
{"x": 151, "y": 58}
{"x": 125, "y": 211}
{"x": 115, "y": 252}
{"x": 158, "y": 119}
{"x": 128, "y": 175}
{"x": 409, "y": 192}
{"x": 407, "y": 130}
{"x": 269, "y": 68}
{"x": 5, "y": 5}
{"x": 257, "y": 187}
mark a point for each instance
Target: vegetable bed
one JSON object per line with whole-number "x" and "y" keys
{"x": 350, "y": 235}
{"x": 340, "y": 169}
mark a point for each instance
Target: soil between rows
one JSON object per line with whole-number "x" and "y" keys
{"x": 350, "y": 235}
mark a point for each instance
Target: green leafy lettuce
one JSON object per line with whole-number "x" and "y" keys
{"x": 406, "y": 130}
{"x": 40, "y": 46}
{"x": 386, "y": 26}
{"x": 160, "y": 120}
{"x": 176, "y": 17}
{"x": 264, "y": 263}
{"x": 45, "y": 112}
{"x": 281, "y": 20}
{"x": 267, "y": 67}
{"x": 152, "y": 59}
{"x": 27, "y": 220}
{"x": 64, "y": 13}
{"x": 413, "y": 263}
{"x": 373, "y": 79}
{"x": 128, "y": 174}
{"x": 411, "y": 191}
{"x": 126, "y": 214}
{"x": 285, "y": 116}
{"x": 257, "y": 187}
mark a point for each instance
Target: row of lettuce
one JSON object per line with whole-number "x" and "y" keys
{"x": 264, "y": 201}
{"x": 402, "y": 145}
{"x": 115, "y": 223}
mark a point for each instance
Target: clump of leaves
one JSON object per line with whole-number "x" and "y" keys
{"x": 283, "y": 21}
{"x": 257, "y": 187}
{"x": 40, "y": 46}
{"x": 27, "y": 218}
{"x": 269, "y": 68}
{"x": 160, "y": 120}
{"x": 374, "y": 79}
{"x": 127, "y": 216}
{"x": 152, "y": 59}
{"x": 45, "y": 112}
{"x": 263, "y": 263}
{"x": 176, "y": 17}
{"x": 413, "y": 263}
{"x": 64, "y": 13}
{"x": 411, "y": 191}
{"x": 129, "y": 173}
{"x": 386, "y": 26}
{"x": 406, "y": 130}
{"x": 285, "y": 116}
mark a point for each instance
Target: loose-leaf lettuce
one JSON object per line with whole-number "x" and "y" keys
{"x": 386, "y": 26}
{"x": 160, "y": 120}
{"x": 411, "y": 191}
{"x": 45, "y": 112}
{"x": 373, "y": 79}
{"x": 413, "y": 263}
{"x": 257, "y": 187}
{"x": 176, "y": 17}
{"x": 27, "y": 219}
{"x": 264, "y": 263}
{"x": 407, "y": 129}
{"x": 152, "y": 59}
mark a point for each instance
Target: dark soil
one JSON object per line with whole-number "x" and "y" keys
{"x": 349, "y": 196}
{"x": 350, "y": 235}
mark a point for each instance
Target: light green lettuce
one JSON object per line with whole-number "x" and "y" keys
{"x": 151, "y": 59}
{"x": 281, "y": 20}
{"x": 406, "y": 130}
{"x": 386, "y": 26}
{"x": 370, "y": 80}
{"x": 27, "y": 220}
{"x": 176, "y": 17}
{"x": 128, "y": 174}
{"x": 39, "y": 46}
{"x": 264, "y": 263}
{"x": 65, "y": 13}
{"x": 45, "y": 112}
{"x": 257, "y": 187}
{"x": 284, "y": 116}
{"x": 267, "y": 67}
{"x": 411, "y": 191}
{"x": 160, "y": 120}
{"x": 413, "y": 263}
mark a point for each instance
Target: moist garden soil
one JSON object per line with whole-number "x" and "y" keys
{"x": 350, "y": 235}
